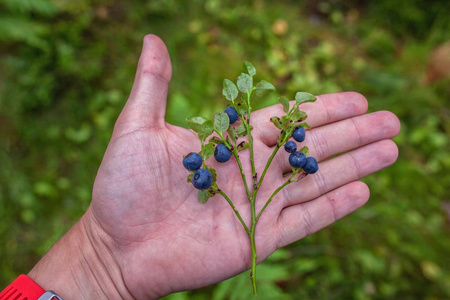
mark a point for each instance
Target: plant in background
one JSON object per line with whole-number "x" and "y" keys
{"x": 231, "y": 138}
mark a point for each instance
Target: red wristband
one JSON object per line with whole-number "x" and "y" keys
{"x": 23, "y": 288}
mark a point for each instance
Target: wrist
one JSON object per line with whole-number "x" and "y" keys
{"x": 80, "y": 266}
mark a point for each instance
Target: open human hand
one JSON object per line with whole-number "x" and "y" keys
{"x": 146, "y": 235}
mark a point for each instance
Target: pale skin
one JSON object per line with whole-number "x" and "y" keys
{"x": 145, "y": 235}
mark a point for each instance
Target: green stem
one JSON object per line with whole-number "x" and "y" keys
{"x": 250, "y": 140}
{"x": 223, "y": 139}
{"x": 269, "y": 162}
{"x": 238, "y": 215}
{"x": 241, "y": 170}
{"x": 253, "y": 197}
{"x": 253, "y": 247}
{"x": 292, "y": 109}
{"x": 287, "y": 182}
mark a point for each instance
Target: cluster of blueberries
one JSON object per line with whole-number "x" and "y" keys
{"x": 298, "y": 159}
{"x": 202, "y": 178}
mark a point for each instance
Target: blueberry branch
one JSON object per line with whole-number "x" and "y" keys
{"x": 226, "y": 146}
{"x": 238, "y": 215}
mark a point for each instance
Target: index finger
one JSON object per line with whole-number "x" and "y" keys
{"x": 328, "y": 108}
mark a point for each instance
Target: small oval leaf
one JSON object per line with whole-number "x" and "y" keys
{"x": 207, "y": 151}
{"x": 202, "y": 196}
{"x": 195, "y": 123}
{"x": 221, "y": 122}
{"x": 206, "y": 129}
{"x": 277, "y": 122}
{"x": 285, "y": 102}
{"x": 241, "y": 130}
{"x": 213, "y": 173}
{"x": 243, "y": 146}
{"x": 245, "y": 83}
{"x": 304, "y": 124}
{"x": 263, "y": 87}
{"x": 286, "y": 122}
{"x": 298, "y": 115}
{"x": 305, "y": 150}
{"x": 230, "y": 90}
{"x": 215, "y": 140}
{"x": 250, "y": 68}
{"x": 302, "y": 97}
{"x": 232, "y": 133}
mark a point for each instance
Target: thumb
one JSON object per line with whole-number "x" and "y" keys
{"x": 146, "y": 106}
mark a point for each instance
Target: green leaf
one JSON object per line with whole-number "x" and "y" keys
{"x": 201, "y": 126}
{"x": 245, "y": 83}
{"x": 232, "y": 133}
{"x": 297, "y": 115}
{"x": 243, "y": 146}
{"x": 207, "y": 151}
{"x": 221, "y": 121}
{"x": 277, "y": 122}
{"x": 305, "y": 150}
{"x": 206, "y": 129}
{"x": 215, "y": 140}
{"x": 211, "y": 192}
{"x": 285, "y": 102}
{"x": 195, "y": 123}
{"x": 241, "y": 107}
{"x": 189, "y": 178}
{"x": 241, "y": 130}
{"x": 202, "y": 196}
{"x": 213, "y": 173}
{"x": 250, "y": 68}
{"x": 287, "y": 122}
{"x": 230, "y": 90}
{"x": 263, "y": 87}
{"x": 302, "y": 97}
{"x": 304, "y": 124}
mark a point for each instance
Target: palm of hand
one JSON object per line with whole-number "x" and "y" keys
{"x": 164, "y": 240}
{"x": 143, "y": 202}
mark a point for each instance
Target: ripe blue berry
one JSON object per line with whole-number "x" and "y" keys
{"x": 202, "y": 179}
{"x": 222, "y": 153}
{"x": 290, "y": 146}
{"x": 297, "y": 159}
{"x": 232, "y": 114}
{"x": 192, "y": 161}
{"x": 311, "y": 165}
{"x": 299, "y": 134}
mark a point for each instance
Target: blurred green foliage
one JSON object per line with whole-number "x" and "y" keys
{"x": 67, "y": 67}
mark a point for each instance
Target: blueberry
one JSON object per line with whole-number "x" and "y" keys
{"x": 192, "y": 161}
{"x": 297, "y": 159}
{"x": 290, "y": 146}
{"x": 299, "y": 134}
{"x": 202, "y": 179}
{"x": 311, "y": 165}
{"x": 232, "y": 114}
{"x": 222, "y": 153}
